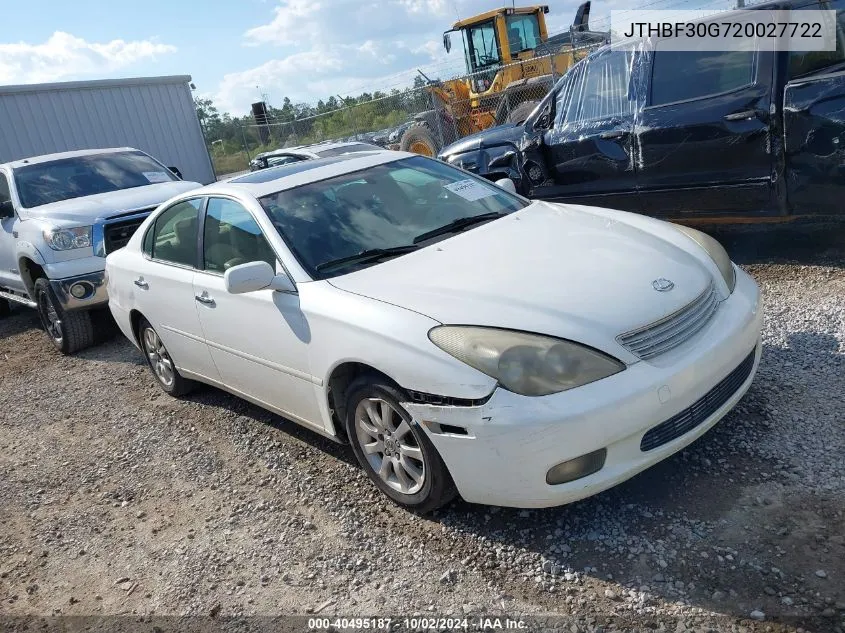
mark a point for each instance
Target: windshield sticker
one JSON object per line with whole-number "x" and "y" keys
{"x": 156, "y": 176}
{"x": 470, "y": 190}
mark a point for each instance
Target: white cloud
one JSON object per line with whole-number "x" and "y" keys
{"x": 329, "y": 47}
{"x": 65, "y": 56}
{"x": 292, "y": 22}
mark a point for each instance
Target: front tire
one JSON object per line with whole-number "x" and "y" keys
{"x": 68, "y": 331}
{"x": 394, "y": 452}
{"x": 160, "y": 362}
{"x": 419, "y": 139}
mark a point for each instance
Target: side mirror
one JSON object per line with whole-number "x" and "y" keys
{"x": 176, "y": 172}
{"x": 506, "y": 184}
{"x": 502, "y": 161}
{"x": 7, "y": 209}
{"x": 255, "y": 276}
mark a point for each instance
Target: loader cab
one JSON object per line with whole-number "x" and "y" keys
{"x": 496, "y": 38}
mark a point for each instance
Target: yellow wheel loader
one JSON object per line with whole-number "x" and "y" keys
{"x": 511, "y": 64}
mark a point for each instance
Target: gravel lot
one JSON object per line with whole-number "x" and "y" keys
{"x": 117, "y": 499}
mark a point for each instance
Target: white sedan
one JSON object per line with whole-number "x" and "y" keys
{"x": 464, "y": 340}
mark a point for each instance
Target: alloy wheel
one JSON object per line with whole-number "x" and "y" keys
{"x": 50, "y": 317}
{"x": 159, "y": 359}
{"x": 390, "y": 447}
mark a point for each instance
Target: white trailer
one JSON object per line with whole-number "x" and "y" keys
{"x": 153, "y": 114}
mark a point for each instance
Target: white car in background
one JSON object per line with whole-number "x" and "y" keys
{"x": 307, "y": 152}
{"x": 463, "y": 339}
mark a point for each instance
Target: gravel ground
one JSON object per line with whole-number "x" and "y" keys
{"x": 117, "y": 499}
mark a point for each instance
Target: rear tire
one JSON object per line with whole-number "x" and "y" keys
{"x": 5, "y": 308}
{"x": 68, "y": 331}
{"x": 393, "y": 450}
{"x": 160, "y": 362}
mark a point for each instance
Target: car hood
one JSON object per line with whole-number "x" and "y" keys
{"x": 103, "y": 205}
{"x": 499, "y": 135}
{"x": 549, "y": 268}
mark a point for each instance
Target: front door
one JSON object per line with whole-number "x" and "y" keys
{"x": 9, "y": 274}
{"x": 259, "y": 340}
{"x": 589, "y": 149}
{"x": 704, "y": 136}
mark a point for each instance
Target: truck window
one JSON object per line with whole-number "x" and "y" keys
{"x": 483, "y": 46}
{"x": 603, "y": 88}
{"x": 805, "y": 62}
{"x": 685, "y": 75}
{"x": 4, "y": 188}
{"x": 523, "y": 32}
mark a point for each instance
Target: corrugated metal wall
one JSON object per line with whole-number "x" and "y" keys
{"x": 153, "y": 114}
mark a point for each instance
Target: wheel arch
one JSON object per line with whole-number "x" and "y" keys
{"x": 30, "y": 272}
{"x": 335, "y": 390}
{"x": 135, "y": 317}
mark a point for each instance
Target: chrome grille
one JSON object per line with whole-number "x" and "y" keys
{"x": 701, "y": 409}
{"x": 673, "y": 330}
{"x": 117, "y": 231}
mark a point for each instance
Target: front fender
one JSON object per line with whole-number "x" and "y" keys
{"x": 478, "y": 161}
{"x": 26, "y": 254}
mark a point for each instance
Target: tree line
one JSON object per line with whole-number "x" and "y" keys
{"x": 302, "y": 123}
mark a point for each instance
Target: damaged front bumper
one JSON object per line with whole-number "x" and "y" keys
{"x": 501, "y": 452}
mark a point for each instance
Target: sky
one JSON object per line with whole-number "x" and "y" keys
{"x": 237, "y": 52}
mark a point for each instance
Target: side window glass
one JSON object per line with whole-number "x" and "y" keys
{"x": 684, "y": 75}
{"x": 805, "y": 62}
{"x": 174, "y": 235}
{"x": 232, "y": 237}
{"x": 605, "y": 89}
{"x": 568, "y": 98}
{"x": 148, "y": 241}
{"x": 5, "y": 195}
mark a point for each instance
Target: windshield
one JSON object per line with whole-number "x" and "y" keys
{"x": 482, "y": 47}
{"x": 67, "y": 178}
{"x": 381, "y": 207}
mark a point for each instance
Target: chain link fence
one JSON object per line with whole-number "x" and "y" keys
{"x": 440, "y": 112}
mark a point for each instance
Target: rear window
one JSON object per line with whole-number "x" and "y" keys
{"x": 67, "y": 178}
{"x": 685, "y": 75}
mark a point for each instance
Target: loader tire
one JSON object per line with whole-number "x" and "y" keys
{"x": 420, "y": 139}
{"x": 521, "y": 112}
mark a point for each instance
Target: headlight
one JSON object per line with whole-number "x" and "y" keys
{"x": 68, "y": 239}
{"x": 716, "y": 251}
{"x": 527, "y": 364}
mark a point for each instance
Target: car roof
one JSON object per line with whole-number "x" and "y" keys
{"x": 46, "y": 158}
{"x": 274, "y": 179}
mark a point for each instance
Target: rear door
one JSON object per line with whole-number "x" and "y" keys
{"x": 589, "y": 150}
{"x": 814, "y": 125}
{"x": 163, "y": 286}
{"x": 704, "y": 134}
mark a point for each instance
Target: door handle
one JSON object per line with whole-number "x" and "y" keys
{"x": 141, "y": 283}
{"x": 610, "y": 134}
{"x": 205, "y": 298}
{"x": 745, "y": 115}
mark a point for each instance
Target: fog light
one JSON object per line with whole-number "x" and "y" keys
{"x": 576, "y": 468}
{"x": 79, "y": 290}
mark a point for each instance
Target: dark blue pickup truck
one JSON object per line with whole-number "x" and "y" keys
{"x": 753, "y": 134}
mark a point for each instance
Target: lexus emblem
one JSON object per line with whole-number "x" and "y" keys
{"x": 662, "y": 285}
